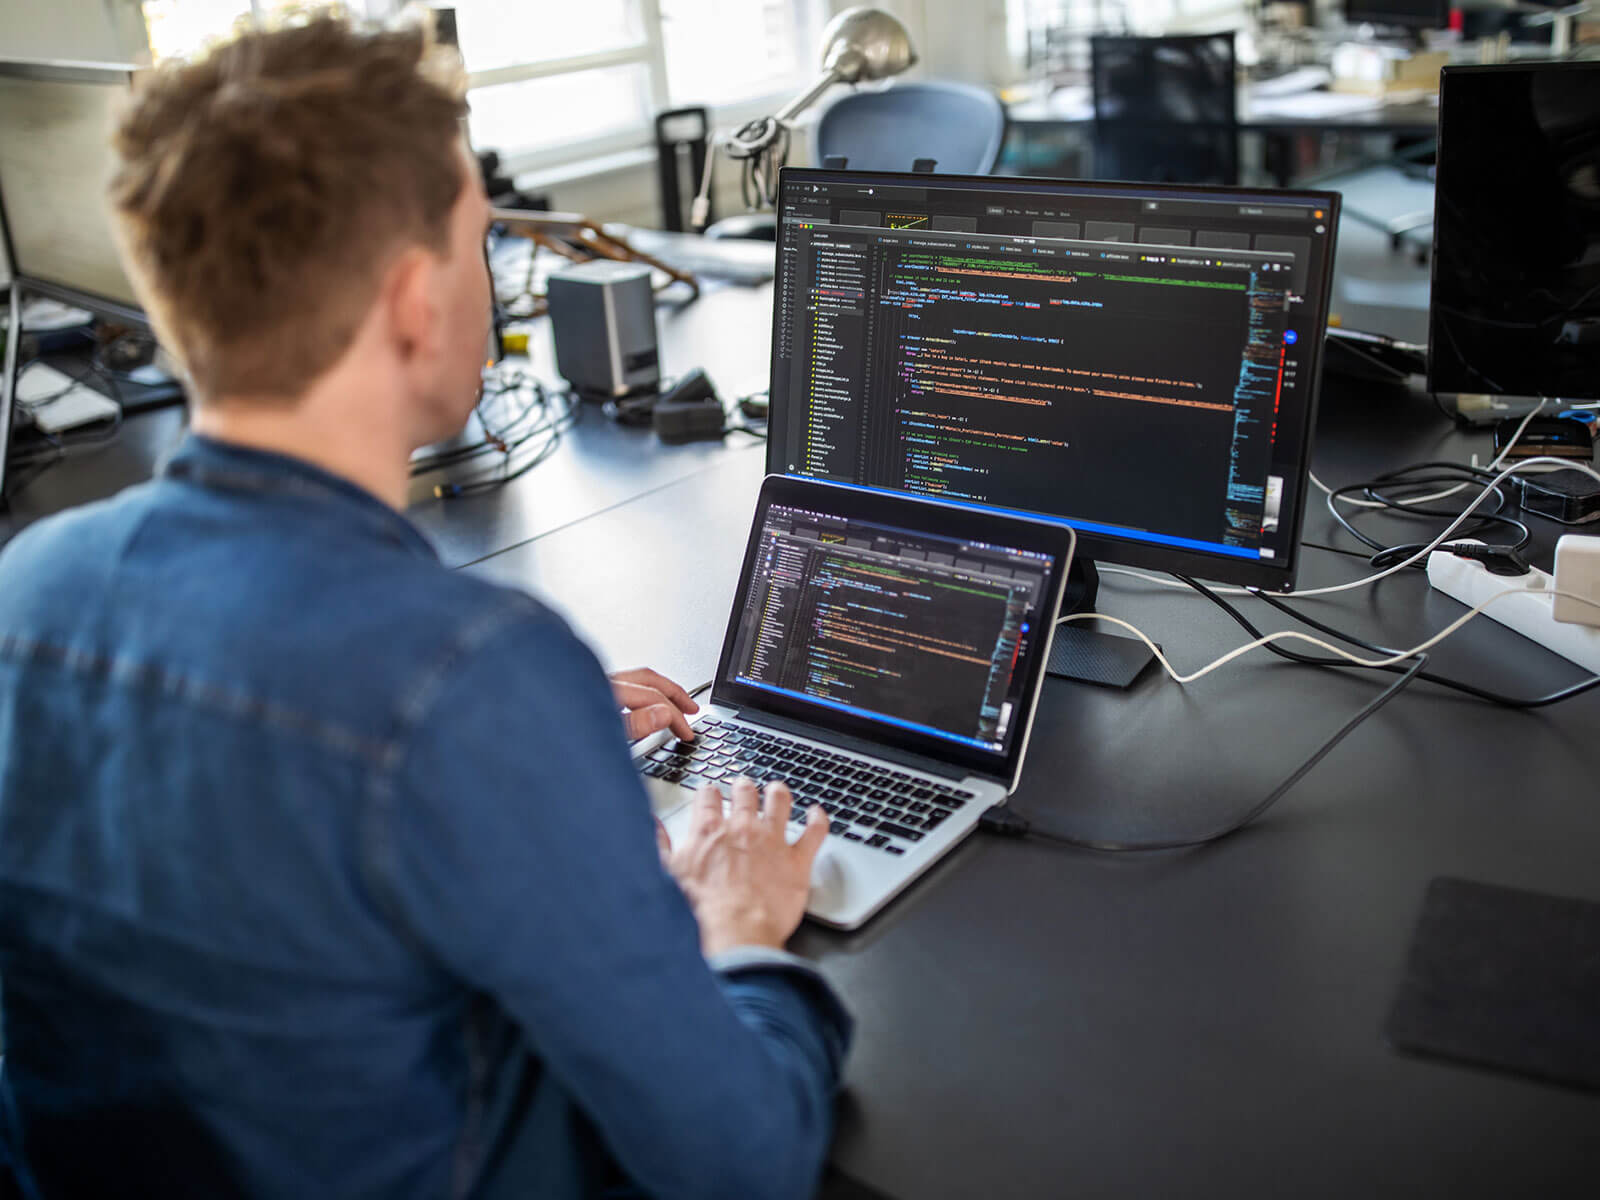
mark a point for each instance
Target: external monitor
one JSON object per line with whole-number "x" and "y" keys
{"x": 1401, "y": 14}
{"x": 1138, "y": 361}
{"x": 55, "y": 162}
{"x": 1516, "y": 267}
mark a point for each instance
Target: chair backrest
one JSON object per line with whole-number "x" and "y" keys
{"x": 959, "y": 126}
{"x": 1165, "y": 108}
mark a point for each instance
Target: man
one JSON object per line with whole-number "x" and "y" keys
{"x": 323, "y": 869}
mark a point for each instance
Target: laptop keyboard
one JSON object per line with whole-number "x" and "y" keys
{"x": 866, "y": 802}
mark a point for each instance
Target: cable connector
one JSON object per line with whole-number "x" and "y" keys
{"x": 1497, "y": 560}
{"x": 1005, "y": 822}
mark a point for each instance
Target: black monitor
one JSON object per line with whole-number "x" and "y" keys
{"x": 1138, "y": 361}
{"x": 1516, "y": 266}
{"x": 1401, "y": 14}
{"x": 55, "y": 163}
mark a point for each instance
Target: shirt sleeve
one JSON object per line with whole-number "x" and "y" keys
{"x": 520, "y": 850}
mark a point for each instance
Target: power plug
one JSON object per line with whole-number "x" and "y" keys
{"x": 1578, "y": 570}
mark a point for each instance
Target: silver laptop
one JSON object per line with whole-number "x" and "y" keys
{"x": 884, "y": 659}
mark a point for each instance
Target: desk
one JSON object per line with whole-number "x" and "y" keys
{"x": 1070, "y": 114}
{"x": 1039, "y": 1022}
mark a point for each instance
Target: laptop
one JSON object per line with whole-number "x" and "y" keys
{"x": 883, "y": 658}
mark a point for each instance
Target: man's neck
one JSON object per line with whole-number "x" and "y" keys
{"x": 365, "y": 453}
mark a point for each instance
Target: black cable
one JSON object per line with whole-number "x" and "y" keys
{"x": 1492, "y": 697}
{"x": 1444, "y": 681}
{"x": 1008, "y": 823}
{"x": 1379, "y": 489}
{"x": 1336, "y": 550}
{"x": 60, "y": 446}
{"x": 551, "y": 430}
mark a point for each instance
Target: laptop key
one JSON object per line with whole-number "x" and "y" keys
{"x": 937, "y": 817}
{"x": 877, "y": 840}
{"x": 851, "y": 835}
{"x": 895, "y": 850}
{"x": 900, "y": 831}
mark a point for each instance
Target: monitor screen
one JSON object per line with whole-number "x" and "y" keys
{"x": 1516, "y": 267}
{"x": 1137, "y": 361}
{"x": 55, "y": 163}
{"x": 902, "y": 620}
{"x": 1409, "y": 14}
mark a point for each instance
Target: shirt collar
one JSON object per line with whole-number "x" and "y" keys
{"x": 228, "y": 466}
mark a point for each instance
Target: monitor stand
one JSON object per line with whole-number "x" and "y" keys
{"x": 1088, "y": 655}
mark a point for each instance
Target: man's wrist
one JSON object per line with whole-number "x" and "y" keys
{"x": 719, "y": 933}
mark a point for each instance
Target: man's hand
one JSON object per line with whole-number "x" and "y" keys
{"x": 746, "y": 884}
{"x": 652, "y": 702}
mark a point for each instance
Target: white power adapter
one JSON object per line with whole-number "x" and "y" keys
{"x": 1577, "y": 571}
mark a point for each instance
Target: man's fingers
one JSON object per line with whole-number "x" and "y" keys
{"x": 810, "y": 839}
{"x": 705, "y": 812}
{"x": 778, "y": 803}
{"x": 663, "y": 840}
{"x": 746, "y": 800}
{"x": 676, "y": 694}
{"x": 641, "y": 722}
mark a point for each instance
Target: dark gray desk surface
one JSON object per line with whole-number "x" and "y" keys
{"x": 1036, "y": 1021}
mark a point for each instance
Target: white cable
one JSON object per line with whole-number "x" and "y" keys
{"x": 1296, "y": 635}
{"x": 1448, "y": 492}
{"x": 1449, "y": 529}
{"x": 1532, "y": 465}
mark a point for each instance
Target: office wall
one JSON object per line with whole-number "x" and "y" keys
{"x": 90, "y": 30}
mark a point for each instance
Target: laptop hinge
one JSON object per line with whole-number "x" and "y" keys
{"x": 905, "y": 758}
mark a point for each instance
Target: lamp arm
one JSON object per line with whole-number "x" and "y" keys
{"x": 808, "y": 97}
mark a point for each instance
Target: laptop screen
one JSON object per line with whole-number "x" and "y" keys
{"x": 910, "y": 623}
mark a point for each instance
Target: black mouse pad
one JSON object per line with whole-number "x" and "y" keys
{"x": 1504, "y": 978}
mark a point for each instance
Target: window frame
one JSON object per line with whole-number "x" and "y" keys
{"x": 648, "y": 51}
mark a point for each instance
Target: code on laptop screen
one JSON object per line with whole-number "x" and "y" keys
{"x": 911, "y": 629}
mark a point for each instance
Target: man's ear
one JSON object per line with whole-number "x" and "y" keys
{"x": 408, "y": 299}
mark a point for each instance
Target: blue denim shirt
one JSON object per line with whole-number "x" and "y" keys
{"x": 324, "y": 872}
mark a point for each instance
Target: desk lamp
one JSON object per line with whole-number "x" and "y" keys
{"x": 859, "y": 45}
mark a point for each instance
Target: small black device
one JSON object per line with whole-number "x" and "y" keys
{"x": 689, "y": 411}
{"x": 1516, "y": 267}
{"x": 1570, "y": 497}
{"x": 1559, "y": 437}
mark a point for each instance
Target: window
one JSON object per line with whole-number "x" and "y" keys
{"x": 558, "y": 83}
{"x": 555, "y": 84}
{"x": 176, "y": 28}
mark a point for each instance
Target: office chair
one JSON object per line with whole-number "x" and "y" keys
{"x": 958, "y": 126}
{"x": 1165, "y": 108}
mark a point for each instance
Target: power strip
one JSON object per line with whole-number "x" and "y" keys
{"x": 1530, "y": 614}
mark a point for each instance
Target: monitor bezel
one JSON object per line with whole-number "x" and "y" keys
{"x": 918, "y": 514}
{"x": 1436, "y": 382}
{"x": 1267, "y": 574}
